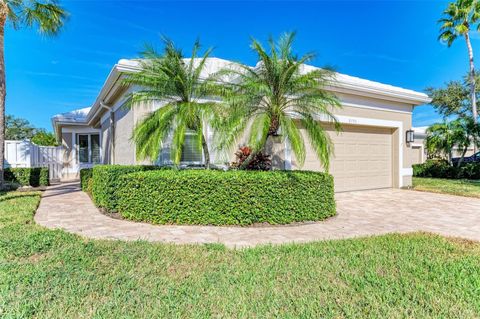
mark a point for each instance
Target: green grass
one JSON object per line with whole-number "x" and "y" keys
{"x": 53, "y": 274}
{"x": 461, "y": 187}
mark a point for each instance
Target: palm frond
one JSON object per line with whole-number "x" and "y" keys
{"x": 319, "y": 139}
{"x": 151, "y": 133}
{"x": 295, "y": 138}
{"x": 178, "y": 141}
{"x": 259, "y": 132}
{"x": 48, "y": 16}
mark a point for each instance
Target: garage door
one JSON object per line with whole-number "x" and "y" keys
{"x": 362, "y": 159}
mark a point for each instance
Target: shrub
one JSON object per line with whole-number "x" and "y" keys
{"x": 86, "y": 179}
{"x": 209, "y": 197}
{"x": 471, "y": 170}
{"x": 106, "y": 179}
{"x": 27, "y": 176}
{"x": 442, "y": 169}
{"x": 261, "y": 161}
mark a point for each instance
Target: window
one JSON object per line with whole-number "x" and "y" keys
{"x": 95, "y": 148}
{"x": 89, "y": 148}
{"x": 190, "y": 152}
{"x": 83, "y": 148}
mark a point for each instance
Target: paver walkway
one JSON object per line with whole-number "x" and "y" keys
{"x": 359, "y": 214}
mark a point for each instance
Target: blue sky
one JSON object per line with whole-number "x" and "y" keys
{"x": 393, "y": 42}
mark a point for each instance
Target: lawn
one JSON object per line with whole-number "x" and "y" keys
{"x": 53, "y": 274}
{"x": 461, "y": 187}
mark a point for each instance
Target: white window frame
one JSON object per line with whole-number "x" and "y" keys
{"x": 89, "y": 148}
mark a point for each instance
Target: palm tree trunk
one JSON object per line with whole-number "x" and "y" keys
{"x": 472, "y": 78}
{"x": 248, "y": 160}
{"x": 460, "y": 161}
{"x": 206, "y": 153}
{"x": 3, "y": 91}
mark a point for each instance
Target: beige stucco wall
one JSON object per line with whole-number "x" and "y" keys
{"x": 124, "y": 150}
{"x": 415, "y": 155}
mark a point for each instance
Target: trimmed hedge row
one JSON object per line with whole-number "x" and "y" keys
{"x": 86, "y": 179}
{"x": 27, "y": 176}
{"x": 442, "y": 169}
{"x": 106, "y": 180}
{"x": 225, "y": 198}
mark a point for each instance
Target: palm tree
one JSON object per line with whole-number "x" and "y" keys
{"x": 177, "y": 82}
{"x": 466, "y": 134}
{"x": 442, "y": 138}
{"x": 47, "y": 16}
{"x": 269, "y": 98}
{"x": 459, "y": 19}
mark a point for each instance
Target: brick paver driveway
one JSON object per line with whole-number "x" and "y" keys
{"x": 359, "y": 214}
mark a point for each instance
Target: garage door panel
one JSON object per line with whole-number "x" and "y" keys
{"x": 362, "y": 158}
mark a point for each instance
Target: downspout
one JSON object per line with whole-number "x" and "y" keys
{"x": 111, "y": 130}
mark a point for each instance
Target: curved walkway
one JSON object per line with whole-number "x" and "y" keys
{"x": 362, "y": 213}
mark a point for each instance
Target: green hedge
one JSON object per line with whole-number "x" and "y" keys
{"x": 442, "y": 169}
{"x": 31, "y": 176}
{"x": 86, "y": 179}
{"x": 225, "y": 198}
{"x": 106, "y": 179}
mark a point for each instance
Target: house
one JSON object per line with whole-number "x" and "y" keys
{"x": 419, "y": 153}
{"x": 371, "y": 152}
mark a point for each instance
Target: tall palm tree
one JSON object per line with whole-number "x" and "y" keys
{"x": 47, "y": 16}
{"x": 442, "y": 138}
{"x": 269, "y": 98}
{"x": 459, "y": 19}
{"x": 177, "y": 82}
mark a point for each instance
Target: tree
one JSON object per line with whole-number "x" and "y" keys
{"x": 459, "y": 19}
{"x": 443, "y": 137}
{"x": 44, "y": 138}
{"x": 177, "y": 82}
{"x": 47, "y": 16}
{"x": 18, "y": 128}
{"x": 454, "y": 98}
{"x": 270, "y": 98}
{"x": 467, "y": 133}
{"x": 451, "y": 100}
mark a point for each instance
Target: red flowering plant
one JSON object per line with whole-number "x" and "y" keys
{"x": 261, "y": 161}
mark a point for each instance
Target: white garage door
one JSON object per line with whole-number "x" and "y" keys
{"x": 362, "y": 159}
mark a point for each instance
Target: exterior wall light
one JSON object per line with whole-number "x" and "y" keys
{"x": 409, "y": 136}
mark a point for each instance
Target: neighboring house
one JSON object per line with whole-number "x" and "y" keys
{"x": 419, "y": 152}
{"x": 370, "y": 153}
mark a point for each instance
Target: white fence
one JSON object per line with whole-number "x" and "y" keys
{"x": 27, "y": 154}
